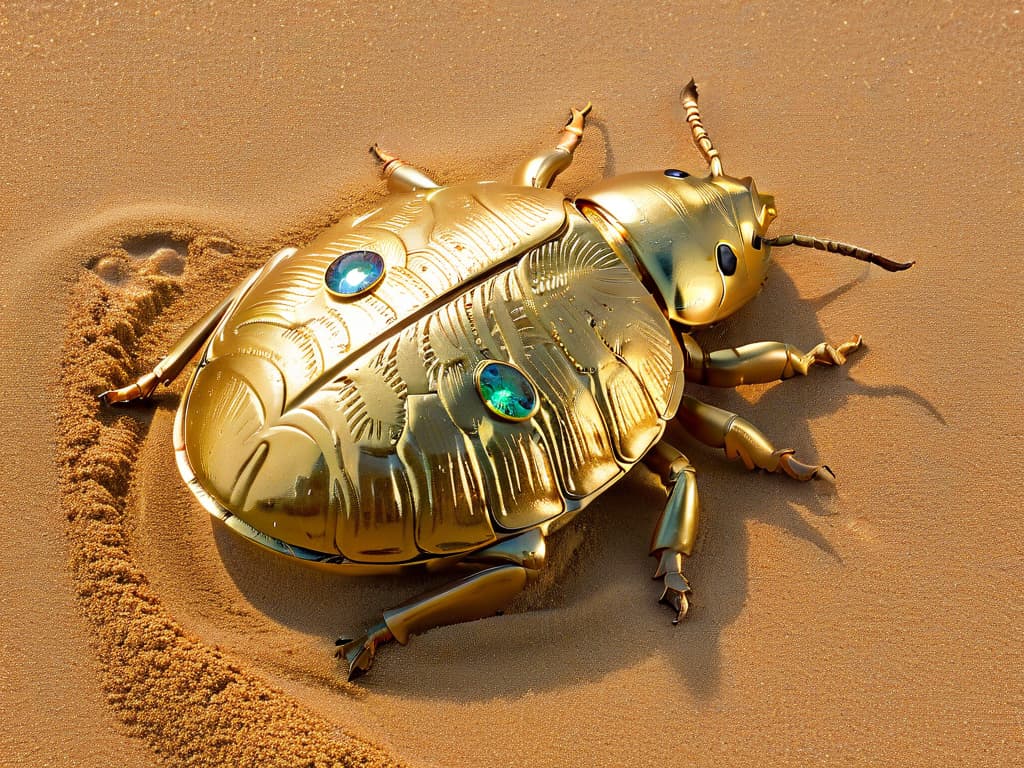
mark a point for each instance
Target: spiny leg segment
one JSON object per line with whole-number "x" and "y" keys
{"x": 185, "y": 348}
{"x": 759, "y": 363}
{"x": 719, "y": 428}
{"x": 508, "y": 567}
{"x": 676, "y": 532}
{"x": 539, "y": 171}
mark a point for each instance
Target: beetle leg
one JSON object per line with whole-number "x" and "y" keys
{"x": 541, "y": 169}
{"x": 472, "y": 597}
{"x": 724, "y": 429}
{"x": 185, "y": 349}
{"x": 400, "y": 176}
{"x": 759, "y": 363}
{"x": 514, "y": 562}
{"x": 676, "y": 532}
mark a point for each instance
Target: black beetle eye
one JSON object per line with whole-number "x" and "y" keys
{"x": 726, "y": 259}
{"x": 756, "y": 242}
{"x": 676, "y": 174}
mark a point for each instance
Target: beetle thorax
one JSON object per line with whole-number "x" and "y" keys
{"x": 698, "y": 240}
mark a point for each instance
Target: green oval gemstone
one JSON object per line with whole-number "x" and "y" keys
{"x": 506, "y": 391}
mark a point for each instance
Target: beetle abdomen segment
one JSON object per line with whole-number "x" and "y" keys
{"x": 277, "y": 479}
{"x": 377, "y": 523}
{"x": 446, "y": 484}
{"x": 571, "y": 426}
{"x": 519, "y": 480}
{"x": 610, "y": 330}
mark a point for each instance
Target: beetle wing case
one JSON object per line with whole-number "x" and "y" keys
{"x": 352, "y": 428}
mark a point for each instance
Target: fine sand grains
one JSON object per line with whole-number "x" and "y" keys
{"x": 192, "y": 704}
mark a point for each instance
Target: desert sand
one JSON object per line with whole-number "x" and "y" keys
{"x": 153, "y": 154}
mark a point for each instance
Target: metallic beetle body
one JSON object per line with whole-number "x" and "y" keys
{"x": 339, "y": 413}
{"x": 352, "y": 430}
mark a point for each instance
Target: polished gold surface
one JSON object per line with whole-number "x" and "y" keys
{"x": 293, "y": 423}
{"x": 401, "y": 176}
{"x": 676, "y": 532}
{"x": 506, "y": 568}
{"x": 354, "y": 433}
{"x": 759, "y": 363}
{"x": 673, "y": 226}
{"x": 381, "y": 450}
{"x": 540, "y": 171}
{"x": 719, "y": 428}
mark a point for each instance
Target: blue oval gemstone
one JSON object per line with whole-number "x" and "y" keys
{"x": 354, "y": 273}
{"x": 506, "y": 391}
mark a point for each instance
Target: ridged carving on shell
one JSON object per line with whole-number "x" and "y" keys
{"x": 372, "y": 404}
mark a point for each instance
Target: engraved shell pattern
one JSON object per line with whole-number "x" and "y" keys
{"x": 354, "y": 429}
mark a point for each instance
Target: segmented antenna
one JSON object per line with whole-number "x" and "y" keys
{"x": 842, "y": 248}
{"x": 700, "y": 135}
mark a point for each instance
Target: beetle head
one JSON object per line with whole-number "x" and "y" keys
{"x": 699, "y": 241}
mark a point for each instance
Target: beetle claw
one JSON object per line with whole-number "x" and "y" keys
{"x": 359, "y": 653}
{"x": 141, "y": 388}
{"x": 684, "y": 607}
{"x": 674, "y": 596}
{"x": 796, "y": 469}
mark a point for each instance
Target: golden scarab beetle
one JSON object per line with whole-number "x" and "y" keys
{"x": 448, "y": 378}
